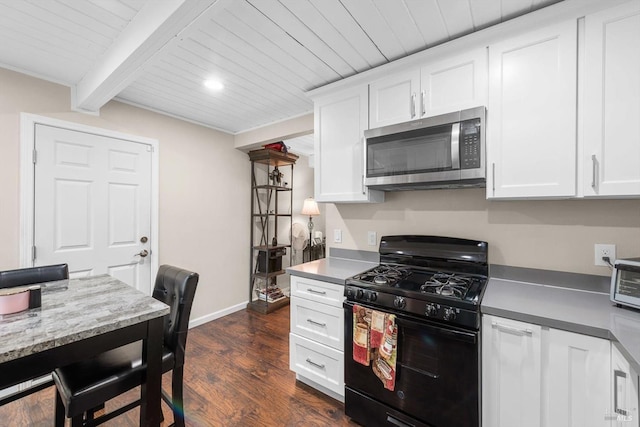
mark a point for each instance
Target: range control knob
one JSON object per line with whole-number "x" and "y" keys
{"x": 373, "y": 296}
{"x": 399, "y": 302}
{"x": 359, "y": 294}
{"x": 431, "y": 310}
{"x": 449, "y": 314}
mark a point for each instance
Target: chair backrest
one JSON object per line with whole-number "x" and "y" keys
{"x": 176, "y": 288}
{"x": 33, "y": 275}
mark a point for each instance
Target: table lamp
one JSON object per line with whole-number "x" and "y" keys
{"x": 310, "y": 207}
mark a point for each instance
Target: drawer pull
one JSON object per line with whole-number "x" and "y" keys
{"x": 511, "y": 329}
{"x": 313, "y": 322}
{"x": 317, "y": 365}
{"x": 313, "y": 291}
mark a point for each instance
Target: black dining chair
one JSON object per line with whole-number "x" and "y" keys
{"x": 84, "y": 387}
{"x": 31, "y": 276}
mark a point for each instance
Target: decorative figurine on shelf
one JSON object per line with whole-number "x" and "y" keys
{"x": 276, "y": 176}
{"x": 274, "y": 241}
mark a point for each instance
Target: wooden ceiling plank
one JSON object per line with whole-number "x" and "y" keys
{"x": 268, "y": 57}
{"x": 289, "y": 23}
{"x": 341, "y": 19}
{"x": 376, "y": 28}
{"x": 233, "y": 94}
{"x": 177, "y": 104}
{"x": 137, "y": 96}
{"x": 324, "y": 29}
{"x": 109, "y": 24}
{"x": 47, "y": 23}
{"x": 276, "y": 35}
{"x": 457, "y": 17}
{"x": 485, "y": 13}
{"x": 513, "y": 8}
{"x": 151, "y": 30}
{"x": 428, "y": 18}
{"x": 124, "y": 11}
{"x": 27, "y": 34}
{"x": 235, "y": 72}
{"x": 398, "y": 17}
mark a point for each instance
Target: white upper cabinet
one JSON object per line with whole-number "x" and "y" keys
{"x": 612, "y": 102}
{"x": 531, "y": 119}
{"x": 454, "y": 83}
{"x": 340, "y": 121}
{"x": 439, "y": 87}
{"x": 394, "y": 99}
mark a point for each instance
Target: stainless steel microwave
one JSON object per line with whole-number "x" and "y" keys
{"x": 625, "y": 282}
{"x": 443, "y": 151}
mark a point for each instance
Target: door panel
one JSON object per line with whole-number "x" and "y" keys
{"x": 93, "y": 204}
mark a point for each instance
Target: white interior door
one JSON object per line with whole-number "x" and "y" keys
{"x": 92, "y": 204}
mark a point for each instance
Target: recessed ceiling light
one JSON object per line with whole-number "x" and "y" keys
{"x": 214, "y": 84}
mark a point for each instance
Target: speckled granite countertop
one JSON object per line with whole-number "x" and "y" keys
{"x": 580, "y": 311}
{"x": 333, "y": 270}
{"x": 73, "y": 310}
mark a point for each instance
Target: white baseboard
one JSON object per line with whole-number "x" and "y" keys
{"x": 216, "y": 315}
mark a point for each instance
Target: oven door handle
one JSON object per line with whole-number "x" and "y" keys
{"x": 468, "y": 337}
{"x": 420, "y": 371}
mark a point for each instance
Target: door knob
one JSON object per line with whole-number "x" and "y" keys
{"x": 143, "y": 253}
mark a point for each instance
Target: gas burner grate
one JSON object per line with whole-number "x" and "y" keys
{"x": 448, "y": 285}
{"x": 383, "y": 275}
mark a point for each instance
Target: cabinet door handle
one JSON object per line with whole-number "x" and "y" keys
{"x": 511, "y": 329}
{"x": 424, "y": 103}
{"x": 594, "y": 170}
{"x": 313, "y": 291}
{"x": 317, "y": 365}
{"x": 455, "y": 146}
{"x": 618, "y": 374}
{"x": 313, "y": 322}
{"x": 493, "y": 177}
{"x": 413, "y": 105}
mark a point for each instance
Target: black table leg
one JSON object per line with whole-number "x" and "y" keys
{"x": 150, "y": 391}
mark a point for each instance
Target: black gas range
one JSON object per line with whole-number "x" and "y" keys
{"x": 433, "y": 286}
{"x": 439, "y": 278}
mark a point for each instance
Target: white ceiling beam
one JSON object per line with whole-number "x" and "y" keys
{"x": 154, "y": 28}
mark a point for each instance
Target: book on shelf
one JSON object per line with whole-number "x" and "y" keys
{"x": 271, "y": 294}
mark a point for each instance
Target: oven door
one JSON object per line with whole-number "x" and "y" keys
{"x": 437, "y": 376}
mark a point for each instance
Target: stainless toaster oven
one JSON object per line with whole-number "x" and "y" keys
{"x": 625, "y": 282}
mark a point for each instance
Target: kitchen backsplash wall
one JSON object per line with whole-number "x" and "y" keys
{"x": 550, "y": 234}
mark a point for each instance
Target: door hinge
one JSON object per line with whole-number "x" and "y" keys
{"x": 33, "y": 253}
{"x": 34, "y": 156}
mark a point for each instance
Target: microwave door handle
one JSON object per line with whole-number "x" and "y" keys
{"x": 455, "y": 146}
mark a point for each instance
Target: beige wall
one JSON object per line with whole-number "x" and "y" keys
{"x": 204, "y": 187}
{"x": 553, "y": 235}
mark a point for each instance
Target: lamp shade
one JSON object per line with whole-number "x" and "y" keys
{"x": 310, "y": 207}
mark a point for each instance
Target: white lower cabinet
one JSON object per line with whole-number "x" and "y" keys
{"x": 576, "y": 374}
{"x": 624, "y": 391}
{"x": 316, "y": 341}
{"x": 511, "y": 373}
{"x": 539, "y": 376}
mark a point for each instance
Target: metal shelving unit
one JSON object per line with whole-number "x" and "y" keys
{"x": 267, "y": 220}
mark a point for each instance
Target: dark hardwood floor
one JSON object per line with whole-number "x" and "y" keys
{"x": 236, "y": 374}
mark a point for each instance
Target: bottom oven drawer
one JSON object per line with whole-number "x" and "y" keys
{"x": 317, "y": 362}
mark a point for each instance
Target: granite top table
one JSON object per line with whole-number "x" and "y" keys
{"x": 80, "y": 318}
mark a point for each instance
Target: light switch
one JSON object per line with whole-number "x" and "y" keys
{"x": 337, "y": 236}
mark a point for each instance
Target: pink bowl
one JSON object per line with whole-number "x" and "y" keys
{"x": 14, "y": 303}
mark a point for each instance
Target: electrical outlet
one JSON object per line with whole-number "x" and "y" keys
{"x": 337, "y": 236}
{"x": 372, "y": 238}
{"x": 604, "y": 250}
